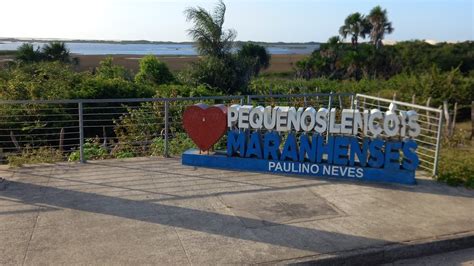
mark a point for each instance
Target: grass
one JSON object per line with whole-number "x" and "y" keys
{"x": 456, "y": 164}
{"x": 36, "y": 155}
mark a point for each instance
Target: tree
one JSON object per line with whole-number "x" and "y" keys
{"x": 26, "y": 53}
{"x": 330, "y": 53}
{"x": 153, "y": 71}
{"x": 257, "y": 54}
{"x": 108, "y": 70}
{"x": 379, "y": 25}
{"x": 229, "y": 75}
{"x": 355, "y": 25}
{"x": 208, "y": 33}
{"x": 56, "y": 51}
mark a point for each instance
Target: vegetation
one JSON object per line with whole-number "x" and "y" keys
{"x": 379, "y": 25}
{"x": 31, "y": 155}
{"x": 153, "y": 72}
{"x": 456, "y": 165}
{"x": 92, "y": 151}
{"x": 441, "y": 72}
{"x": 355, "y": 25}
{"x": 52, "y": 51}
{"x": 258, "y": 56}
{"x": 208, "y": 33}
{"x": 219, "y": 69}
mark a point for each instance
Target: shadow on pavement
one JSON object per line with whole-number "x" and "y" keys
{"x": 204, "y": 221}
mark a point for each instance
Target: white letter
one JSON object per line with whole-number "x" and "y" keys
{"x": 271, "y": 165}
{"x": 333, "y": 126}
{"x": 232, "y": 115}
{"x": 321, "y": 120}
{"x": 282, "y": 121}
{"x": 256, "y": 117}
{"x": 346, "y": 121}
{"x": 269, "y": 117}
{"x": 294, "y": 118}
{"x": 308, "y": 119}
{"x": 391, "y": 124}
{"x": 244, "y": 116}
{"x": 375, "y": 129}
{"x": 413, "y": 126}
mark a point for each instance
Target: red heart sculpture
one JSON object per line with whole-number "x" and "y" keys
{"x": 205, "y": 125}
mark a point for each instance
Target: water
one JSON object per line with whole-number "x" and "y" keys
{"x": 156, "y": 49}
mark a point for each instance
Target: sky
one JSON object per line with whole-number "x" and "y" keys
{"x": 256, "y": 20}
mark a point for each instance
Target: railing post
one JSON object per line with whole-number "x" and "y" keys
{"x": 249, "y": 99}
{"x": 81, "y": 133}
{"x": 166, "y": 151}
{"x": 438, "y": 144}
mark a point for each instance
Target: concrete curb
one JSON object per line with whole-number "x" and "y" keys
{"x": 389, "y": 253}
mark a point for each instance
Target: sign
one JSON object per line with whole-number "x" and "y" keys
{"x": 357, "y": 144}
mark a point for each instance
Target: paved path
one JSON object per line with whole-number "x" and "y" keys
{"x": 151, "y": 210}
{"x": 464, "y": 257}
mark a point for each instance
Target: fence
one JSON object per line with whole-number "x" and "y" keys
{"x": 102, "y": 128}
{"x": 429, "y": 119}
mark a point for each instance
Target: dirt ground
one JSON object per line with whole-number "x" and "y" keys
{"x": 278, "y": 64}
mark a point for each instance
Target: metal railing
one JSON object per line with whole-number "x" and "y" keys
{"x": 429, "y": 119}
{"x": 98, "y": 128}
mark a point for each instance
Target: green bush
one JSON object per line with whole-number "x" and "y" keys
{"x": 92, "y": 151}
{"x": 153, "y": 72}
{"x": 136, "y": 129}
{"x": 229, "y": 75}
{"x": 98, "y": 87}
{"x": 179, "y": 143}
{"x": 108, "y": 70}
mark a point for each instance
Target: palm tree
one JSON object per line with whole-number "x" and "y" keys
{"x": 356, "y": 25}
{"x": 56, "y": 51}
{"x": 208, "y": 32}
{"x": 379, "y": 25}
{"x": 28, "y": 54}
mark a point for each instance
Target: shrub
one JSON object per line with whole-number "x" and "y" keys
{"x": 153, "y": 72}
{"x": 31, "y": 155}
{"x": 92, "y": 151}
{"x": 108, "y": 70}
{"x": 136, "y": 129}
{"x": 178, "y": 143}
{"x": 258, "y": 56}
{"x": 229, "y": 75}
{"x": 98, "y": 87}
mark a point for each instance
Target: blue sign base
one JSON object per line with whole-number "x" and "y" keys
{"x": 193, "y": 158}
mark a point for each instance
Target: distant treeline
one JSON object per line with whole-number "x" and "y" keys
{"x": 337, "y": 60}
{"x": 238, "y": 43}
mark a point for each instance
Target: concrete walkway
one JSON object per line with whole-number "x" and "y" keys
{"x": 156, "y": 211}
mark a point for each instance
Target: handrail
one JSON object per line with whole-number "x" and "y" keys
{"x": 400, "y": 103}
